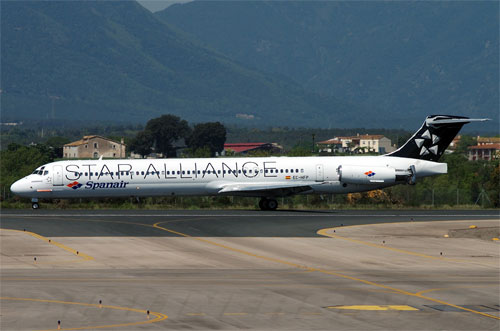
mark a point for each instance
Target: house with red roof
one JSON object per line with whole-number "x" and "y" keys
{"x": 244, "y": 148}
{"x": 487, "y": 151}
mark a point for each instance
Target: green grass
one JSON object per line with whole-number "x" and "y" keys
{"x": 216, "y": 203}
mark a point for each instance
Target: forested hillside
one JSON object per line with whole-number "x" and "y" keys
{"x": 115, "y": 61}
{"x": 403, "y": 59}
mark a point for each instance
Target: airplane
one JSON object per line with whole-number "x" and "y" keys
{"x": 264, "y": 177}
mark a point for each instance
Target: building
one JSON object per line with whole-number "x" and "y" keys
{"x": 94, "y": 147}
{"x": 376, "y": 143}
{"x": 487, "y": 140}
{"x": 244, "y": 148}
{"x": 333, "y": 145}
{"x": 452, "y": 147}
{"x": 485, "y": 152}
{"x": 359, "y": 143}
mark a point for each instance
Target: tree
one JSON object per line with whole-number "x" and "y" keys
{"x": 164, "y": 131}
{"x": 142, "y": 143}
{"x": 464, "y": 142}
{"x": 57, "y": 143}
{"x": 18, "y": 161}
{"x": 210, "y": 135}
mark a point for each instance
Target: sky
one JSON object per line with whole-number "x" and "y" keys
{"x": 157, "y": 5}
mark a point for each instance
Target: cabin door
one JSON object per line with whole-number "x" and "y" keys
{"x": 57, "y": 175}
{"x": 320, "y": 173}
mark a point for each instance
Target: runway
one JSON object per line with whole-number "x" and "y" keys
{"x": 338, "y": 270}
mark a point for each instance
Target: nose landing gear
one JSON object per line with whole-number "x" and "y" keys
{"x": 268, "y": 204}
{"x": 34, "y": 203}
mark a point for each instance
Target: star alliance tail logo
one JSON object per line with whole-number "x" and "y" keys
{"x": 370, "y": 173}
{"x": 75, "y": 185}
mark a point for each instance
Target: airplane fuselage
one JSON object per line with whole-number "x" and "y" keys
{"x": 217, "y": 176}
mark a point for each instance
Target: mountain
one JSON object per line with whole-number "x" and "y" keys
{"x": 94, "y": 61}
{"x": 405, "y": 59}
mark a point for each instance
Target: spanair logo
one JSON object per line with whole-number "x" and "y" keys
{"x": 75, "y": 185}
{"x": 370, "y": 173}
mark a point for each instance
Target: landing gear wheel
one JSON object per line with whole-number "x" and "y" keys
{"x": 272, "y": 204}
{"x": 35, "y": 205}
{"x": 268, "y": 204}
{"x": 261, "y": 204}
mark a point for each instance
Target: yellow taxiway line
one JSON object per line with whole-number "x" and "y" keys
{"x": 55, "y": 243}
{"x": 159, "y": 316}
{"x": 328, "y": 233}
{"x": 379, "y": 307}
{"x": 304, "y": 267}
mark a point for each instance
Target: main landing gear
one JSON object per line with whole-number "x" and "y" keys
{"x": 268, "y": 204}
{"x": 34, "y": 203}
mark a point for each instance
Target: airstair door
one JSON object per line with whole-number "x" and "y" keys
{"x": 320, "y": 173}
{"x": 57, "y": 175}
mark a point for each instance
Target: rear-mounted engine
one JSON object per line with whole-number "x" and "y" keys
{"x": 375, "y": 175}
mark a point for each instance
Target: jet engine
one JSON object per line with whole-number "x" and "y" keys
{"x": 374, "y": 175}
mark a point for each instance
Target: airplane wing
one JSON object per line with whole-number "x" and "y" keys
{"x": 272, "y": 189}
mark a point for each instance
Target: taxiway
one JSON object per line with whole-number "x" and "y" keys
{"x": 370, "y": 270}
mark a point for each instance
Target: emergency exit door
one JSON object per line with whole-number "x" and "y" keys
{"x": 320, "y": 173}
{"x": 57, "y": 175}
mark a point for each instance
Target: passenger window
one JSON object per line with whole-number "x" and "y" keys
{"x": 137, "y": 173}
{"x": 218, "y": 171}
{"x": 239, "y": 171}
{"x": 286, "y": 170}
{"x": 86, "y": 174}
{"x": 178, "y": 172}
{"x": 266, "y": 171}
{"x": 189, "y": 172}
{"x": 291, "y": 171}
{"x": 142, "y": 173}
{"x": 297, "y": 170}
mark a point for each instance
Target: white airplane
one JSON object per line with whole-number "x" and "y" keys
{"x": 264, "y": 177}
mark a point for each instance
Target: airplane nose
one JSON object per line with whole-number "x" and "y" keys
{"x": 19, "y": 187}
{"x": 15, "y": 188}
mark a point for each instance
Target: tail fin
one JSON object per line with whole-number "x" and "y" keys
{"x": 432, "y": 139}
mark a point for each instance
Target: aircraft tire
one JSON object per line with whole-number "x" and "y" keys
{"x": 272, "y": 204}
{"x": 35, "y": 205}
{"x": 263, "y": 204}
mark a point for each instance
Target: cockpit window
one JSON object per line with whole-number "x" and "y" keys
{"x": 40, "y": 172}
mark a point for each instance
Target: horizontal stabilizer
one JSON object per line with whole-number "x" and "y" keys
{"x": 433, "y": 137}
